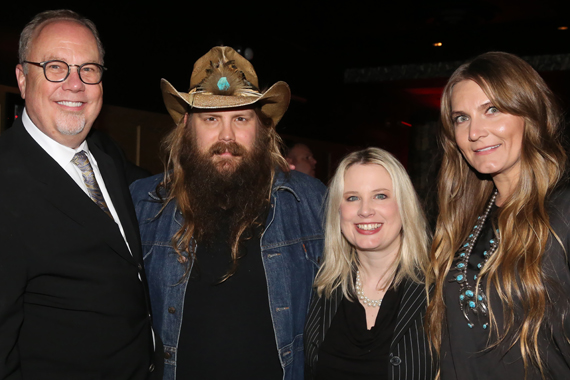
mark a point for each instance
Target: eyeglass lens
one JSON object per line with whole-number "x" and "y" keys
{"x": 57, "y": 71}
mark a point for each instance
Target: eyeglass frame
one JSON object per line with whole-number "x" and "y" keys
{"x": 43, "y": 66}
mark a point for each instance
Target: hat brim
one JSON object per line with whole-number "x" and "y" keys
{"x": 273, "y": 102}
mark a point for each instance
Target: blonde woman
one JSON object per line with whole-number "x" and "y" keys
{"x": 499, "y": 255}
{"x": 366, "y": 318}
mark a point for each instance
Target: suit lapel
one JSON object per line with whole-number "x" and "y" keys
{"x": 411, "y": 305}
{"x": 319, "y": 319}
{"x": 57, "y": 188}
{"x": 117, "y": 189}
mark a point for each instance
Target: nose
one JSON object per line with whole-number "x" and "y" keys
{"x": 365, "y": 210}
{"x": 227, "y": 133}
{"x": 73, "y": 82}
{"x": 313, "y": 161}
{"x": 476, "y": 129}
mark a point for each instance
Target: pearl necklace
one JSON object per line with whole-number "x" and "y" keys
{"x": 473, "y": 298}
{"x": 360, "y": 293}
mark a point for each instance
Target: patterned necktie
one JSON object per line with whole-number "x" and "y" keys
{"x": 80, "y": 159}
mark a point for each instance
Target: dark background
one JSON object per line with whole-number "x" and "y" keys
{"x": 361, "y": 73}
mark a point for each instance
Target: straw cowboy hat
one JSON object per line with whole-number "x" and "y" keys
{"x": 224, "y": 79}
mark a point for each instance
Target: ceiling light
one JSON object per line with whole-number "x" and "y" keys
{"x": 438, "y": 44}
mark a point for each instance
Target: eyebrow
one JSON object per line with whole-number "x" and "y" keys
{"x": 482, "y": 106}
{"x": 58, "y": 58}
{"x": 373, "y": 191}
{"x": 218, "y": 114}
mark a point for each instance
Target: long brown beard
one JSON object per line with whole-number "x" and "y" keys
{"x": 229, "y": 196}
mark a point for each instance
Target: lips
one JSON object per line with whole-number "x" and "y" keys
{"x": 368, "y": 228}
{"x": 70, "y": 104}
{"x": 482, "y": 150}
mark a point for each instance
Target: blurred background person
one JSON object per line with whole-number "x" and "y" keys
{"x": 500, "y": 306}
{"x": 366, "y": 319}
{"x": 302, "y": 158}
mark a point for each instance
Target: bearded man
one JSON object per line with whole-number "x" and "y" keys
{"x": 231, "y": 237}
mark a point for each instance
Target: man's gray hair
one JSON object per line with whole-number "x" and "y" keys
{"x": 51, "y": 16}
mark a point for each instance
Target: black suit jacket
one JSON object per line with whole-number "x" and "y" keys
{"x": 73, "y": 300}
{"x": 409, "y": 350}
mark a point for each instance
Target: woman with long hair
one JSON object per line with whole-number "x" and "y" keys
{"x": 499, "y": 255}
{"x": 366, "y": 318}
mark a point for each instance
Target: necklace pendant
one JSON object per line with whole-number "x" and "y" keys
{"x": 473, "y": 299}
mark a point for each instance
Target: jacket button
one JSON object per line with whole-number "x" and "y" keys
{"x": 151, "y": 368}
{"x": 172, "y": 310}
{"x": 395, "y": 361}
{"x": 167, "y": 355}
{"x": 139, "y": 266}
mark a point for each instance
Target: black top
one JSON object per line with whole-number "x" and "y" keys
{"x": 227, "y": 332}
{"x": 465, "y": 352}
{"x": 466, "y": 355}
{"x": 350, "y": 350}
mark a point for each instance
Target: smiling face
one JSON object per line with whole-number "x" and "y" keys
{"x": 64, "y": 111}
{"x": 226, "y": 135}
{"x": 490, "y": 140}
{"x": 369, "y": 215}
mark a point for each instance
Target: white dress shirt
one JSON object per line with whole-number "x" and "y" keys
{"x": 63, "y": 156}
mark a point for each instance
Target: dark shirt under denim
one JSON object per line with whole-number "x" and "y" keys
{"x": 291, "y": 246}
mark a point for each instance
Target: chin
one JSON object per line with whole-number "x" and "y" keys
{"x": 227, "y": 166}
{"x": 71, "y": 125}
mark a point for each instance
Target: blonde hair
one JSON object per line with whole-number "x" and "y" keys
{"x": 515, "y": 270}
{"x": 339, "y": 257}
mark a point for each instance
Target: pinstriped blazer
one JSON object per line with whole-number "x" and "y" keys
{"x": 410, "y": 357}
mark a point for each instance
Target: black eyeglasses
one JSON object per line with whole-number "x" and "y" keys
{"x": 58, "y": 71}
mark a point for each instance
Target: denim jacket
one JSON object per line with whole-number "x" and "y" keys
{"x": 291, "y": 246}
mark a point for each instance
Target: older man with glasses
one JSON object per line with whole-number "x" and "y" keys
{"x": 73, "y": 292}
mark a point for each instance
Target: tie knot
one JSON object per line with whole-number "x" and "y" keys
{"x": 79, "y": 158}
{"x": 81, "y": 161}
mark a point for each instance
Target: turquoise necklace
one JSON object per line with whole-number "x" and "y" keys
{"x": 472, "y": 298}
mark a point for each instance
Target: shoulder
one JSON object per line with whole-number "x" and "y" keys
{"x": 558, "y": 207}
{"x": 145, "y": 188}
{"x": 150, "y": 206}
{"x": 18, "y": 156}
{"x": 560, "y": 197}
{"x": 299, "y": 183}
{"x": 102, "y": 141}
{"x": 12, "y": 141}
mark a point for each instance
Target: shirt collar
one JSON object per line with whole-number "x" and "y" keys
{"x": 60, "y": 153}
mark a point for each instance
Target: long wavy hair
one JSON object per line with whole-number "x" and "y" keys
{"x": 339, "y": 257}
{"x": 515, "y": 270}
{"x": 173, "y": 185}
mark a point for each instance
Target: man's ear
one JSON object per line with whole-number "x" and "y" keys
{"x": 21, "y": 77}
{"x": 185, "y": 118}
{"x": 290, "y": 162}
